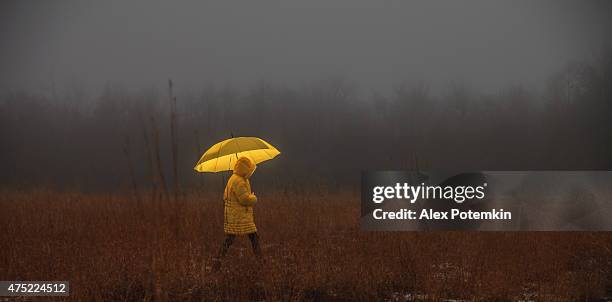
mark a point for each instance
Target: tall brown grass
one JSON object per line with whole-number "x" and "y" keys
{"x": 313, "y": 250}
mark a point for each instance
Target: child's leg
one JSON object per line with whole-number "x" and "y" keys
{"x": 255, "y": 244}
{"x": 227, "y": 242}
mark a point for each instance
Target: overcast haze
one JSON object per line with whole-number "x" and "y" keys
{"x": 486, "y": 44}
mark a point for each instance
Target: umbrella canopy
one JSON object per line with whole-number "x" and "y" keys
{"x": 223, "y": 155}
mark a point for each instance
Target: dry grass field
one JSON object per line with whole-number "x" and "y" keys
{"x": 112, "y": 248}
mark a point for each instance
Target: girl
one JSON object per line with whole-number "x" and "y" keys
{"x": 238, "y": 211}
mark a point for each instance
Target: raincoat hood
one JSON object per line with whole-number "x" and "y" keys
{"x": 244, "y": 167}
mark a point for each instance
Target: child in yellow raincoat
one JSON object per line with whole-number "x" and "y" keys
{"x": 238, "y": 211}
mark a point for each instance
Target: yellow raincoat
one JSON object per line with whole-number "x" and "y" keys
{"x": 239, "y": 200}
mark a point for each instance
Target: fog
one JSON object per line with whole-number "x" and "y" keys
{"x": 60, "y": 45}
{"x": 338, "y": 86}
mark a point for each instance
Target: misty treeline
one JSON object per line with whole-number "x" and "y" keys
{"x": 327, "y": 131}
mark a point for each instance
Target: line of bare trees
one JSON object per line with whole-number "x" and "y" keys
{"x": 327, "y": 132}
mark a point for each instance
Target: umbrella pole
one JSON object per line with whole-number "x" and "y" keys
{"x": 229, "y": 165}
{"x": 232, "y": 136}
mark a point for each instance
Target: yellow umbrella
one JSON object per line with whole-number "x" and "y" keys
{"x": 223, "y": 155}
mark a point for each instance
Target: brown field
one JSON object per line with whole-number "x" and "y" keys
{"x": 111, "y": 248}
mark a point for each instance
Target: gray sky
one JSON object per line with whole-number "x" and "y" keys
{"x": 486, "y": 44}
